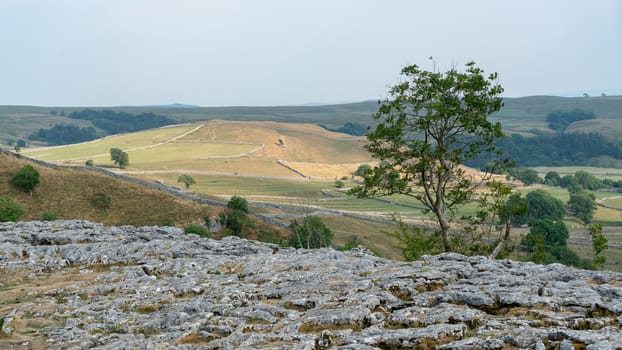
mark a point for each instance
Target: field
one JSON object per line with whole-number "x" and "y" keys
{"x": 602, "y": 173}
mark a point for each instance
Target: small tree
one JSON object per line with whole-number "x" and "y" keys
{"x": 89, "y": 162}
{"x": 187, "y": 180}
{"x": 432, "y": 124}
{"x": 582, "y": 205}
{"x": 26, "y": 178}
{"x": 119, "y": 157}
{"x": 552, "y": 178}
{"x": 238, "y": 203}
{"x": 10, "y": 210}
{"x": 311, "y": 234}
{"x": 599, "y": 245}
{"x": 339, "y": 184}
{"x": 363, "y": 170}
{"x": 101, "y": 200}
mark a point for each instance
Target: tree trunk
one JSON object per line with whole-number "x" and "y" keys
{"x": 442, "y": 220}
{"x": 499, "y": 248}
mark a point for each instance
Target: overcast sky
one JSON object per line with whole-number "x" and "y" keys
{"x": 271, "y": 52}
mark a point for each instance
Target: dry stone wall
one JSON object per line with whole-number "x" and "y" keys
{"x": 127, "y": 287}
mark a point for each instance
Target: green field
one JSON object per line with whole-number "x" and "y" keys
{"x": 602, "y": 173}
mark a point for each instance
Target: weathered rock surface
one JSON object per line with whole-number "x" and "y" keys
{"x": 84, "y": 285}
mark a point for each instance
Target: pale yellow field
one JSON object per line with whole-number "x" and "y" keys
{"x": 102, "y": 146}
{"x": 291, "y": 142}
{"x": 328, "y": 171}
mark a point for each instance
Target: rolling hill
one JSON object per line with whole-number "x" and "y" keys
{"x": 519, "y": 115}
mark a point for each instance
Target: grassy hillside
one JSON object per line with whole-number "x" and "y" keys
{"x": 68, "y": 193}
{"x": 246, "y": 148}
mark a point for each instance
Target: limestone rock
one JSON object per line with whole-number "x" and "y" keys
{"x": 86, "y": 286}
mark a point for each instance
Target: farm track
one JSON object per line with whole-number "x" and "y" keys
{"x": 602, "y": 204}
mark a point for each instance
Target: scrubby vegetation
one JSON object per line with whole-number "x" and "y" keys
{"x": 10, "y": 210}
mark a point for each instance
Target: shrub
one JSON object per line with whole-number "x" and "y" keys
{"x": 101, "y": 200}
{"x": 89, "y": 162}
{"x": 238, "y": 203}
{"x": 197, "y": 230}
{"x": 26, "y": 178}
{"x": 235, "y": 221}
{"x": 339, "y": 184}
{"x": 311, "y": 234}
{"x": 10, "y": 210}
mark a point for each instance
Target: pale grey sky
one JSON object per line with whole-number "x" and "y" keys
{"x": 283, "y": 52}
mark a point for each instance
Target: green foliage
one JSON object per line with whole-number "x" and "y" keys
{"x": 547, "y": 243}
{"x": 119, "y": 157}
{"x": 541, "y": 206}
{"x": 101, "y": 201}
{"x": 235, "y": 221}
{"x": 550, "y": 233}
{"x": 197, "y": 230}
{"x": 582, "y": 205}
{"x": 187, "y": 180}
{"x": 26, "y": 178}
{"x": 238, "y": 203}
{"x": 363, "y": 170}
{"x": 563, "y": 149}
{"x": 588, "y": 181}
{"x": 120, "y": 122}
{"x": 352, "y": 129}
{"x": 10, "y": 210}
{"x": 599, "y": 245}
{"x": 433, "y": 123}
{"x": 416, "y": 241}
{"x": 527, "y": 176}
{"x": 89, "y": 162}
{"x": 559, "y": 120}
{"x": 64, "y": 134}
{"x": 21, "y": 143}
{"x": 49, "y": 216}
{"x": 552, "y": 178}
{"x": 339, "y": 184}
{"x": 311, "y": 234}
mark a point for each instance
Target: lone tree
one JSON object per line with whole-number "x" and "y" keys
{"x": 187, "y": 180}
{"x": 432, "y": 124}
{"x": 119, "y": 157}
{"x": 26, "y": 178}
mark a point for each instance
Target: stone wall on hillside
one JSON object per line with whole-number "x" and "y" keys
{"x": 80, "y": 285}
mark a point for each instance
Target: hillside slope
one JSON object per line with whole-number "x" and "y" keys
{"x": 68, "y": 193}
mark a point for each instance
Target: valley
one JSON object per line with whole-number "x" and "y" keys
{"x": 287, "y": 170}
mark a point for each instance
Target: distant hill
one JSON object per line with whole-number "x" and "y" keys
{"x": 522, "y": 115}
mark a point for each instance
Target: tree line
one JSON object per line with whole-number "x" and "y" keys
{"x": 560, "y": 149}
{"x": 110, "y": 122}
